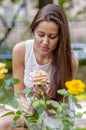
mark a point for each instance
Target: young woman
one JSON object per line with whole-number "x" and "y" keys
{"x": 50, "y": 51}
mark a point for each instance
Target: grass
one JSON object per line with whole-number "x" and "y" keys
{"x": 78, "y": 128}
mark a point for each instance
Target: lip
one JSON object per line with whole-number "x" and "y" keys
{"x": 44, "y": 48}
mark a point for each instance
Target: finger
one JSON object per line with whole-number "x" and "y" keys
{"x": 43, "y": 88}
{"x": 37, "y": 95}
{"x": 25, "y": 108}
{"x": 37, "y": 91}
{"x": 29, "y": 111}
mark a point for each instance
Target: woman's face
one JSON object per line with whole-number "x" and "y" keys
{"x": 46, "y": 37}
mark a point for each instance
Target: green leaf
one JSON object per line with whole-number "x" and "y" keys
{"x": 18, "y": 112}
{"x": 16, "y": 117}
{"x": 14, "y": 103}
{"x": 60, "y": 117}
{"x": 59, "y": 109}
{"x": 41, "y": 102}
{"x": 8, "y": 113}
{"x": 79, "y": 115}
{"x": 47, "y": 128}
{"x": 11, "y": 81}
{"x": 65, "y": 105}
{"x": 54, "y": 103}
{"x": 31, "y": 119}
{"x": 15, "y": 124}
{"x": 36, "y": 103}
{"x": 74, "y": 99}
{"x": 34, "y": 118}
{"x": 63, "y": 92}
{"x": 40, "y": 109}
{"x": 52, "y": 111}
{"x": 14, "y": 80}
{"x": 48, "y": 102}
{"x": 78, "y": 106}
{"x": 27, "y": 91}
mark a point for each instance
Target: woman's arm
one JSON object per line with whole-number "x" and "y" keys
{"x": 18, "y": 72}
{"x": 18, "y": 66}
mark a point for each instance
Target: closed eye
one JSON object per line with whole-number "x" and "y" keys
{"x": 53, "y": 36}
{"x": 40, "y": 34}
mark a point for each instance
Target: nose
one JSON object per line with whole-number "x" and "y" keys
{"x": 46, "y": 40}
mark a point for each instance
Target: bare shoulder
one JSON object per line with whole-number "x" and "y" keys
{"x": 19, "y": 47}
{"x": 74, "y": 64}
{"x": 74, "y": 59}
{"x": 19, "y": 50}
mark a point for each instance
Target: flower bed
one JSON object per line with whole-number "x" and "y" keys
{"x": 72, "y": 89}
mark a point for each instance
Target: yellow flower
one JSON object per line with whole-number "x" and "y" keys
{"x": 2, "y": 76}
{"x": 2, "y": 70}
{"x": 75, "y": 86}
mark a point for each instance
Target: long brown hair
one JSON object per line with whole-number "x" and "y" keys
{"x": 61, "y": 63}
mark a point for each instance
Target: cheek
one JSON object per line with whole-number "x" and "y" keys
{"x": 54, "y": 45}
{"x": 37, "y": 39}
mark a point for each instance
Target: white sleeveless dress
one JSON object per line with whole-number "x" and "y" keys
{"x": 31, "y": 65}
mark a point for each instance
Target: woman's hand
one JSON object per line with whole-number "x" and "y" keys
{"x": 26, "y": 106}
{"x": 38, "y": 89}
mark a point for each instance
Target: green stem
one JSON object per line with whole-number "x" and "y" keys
{"x": 26, "y": 122}
{"x": 41, "y": 125}
{"x": 23, "y": 117}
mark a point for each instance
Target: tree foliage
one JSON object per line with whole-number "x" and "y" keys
{"x": 44, "y": 2}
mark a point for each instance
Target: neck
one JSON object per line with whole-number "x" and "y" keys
{"x": 42, "y": 59}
